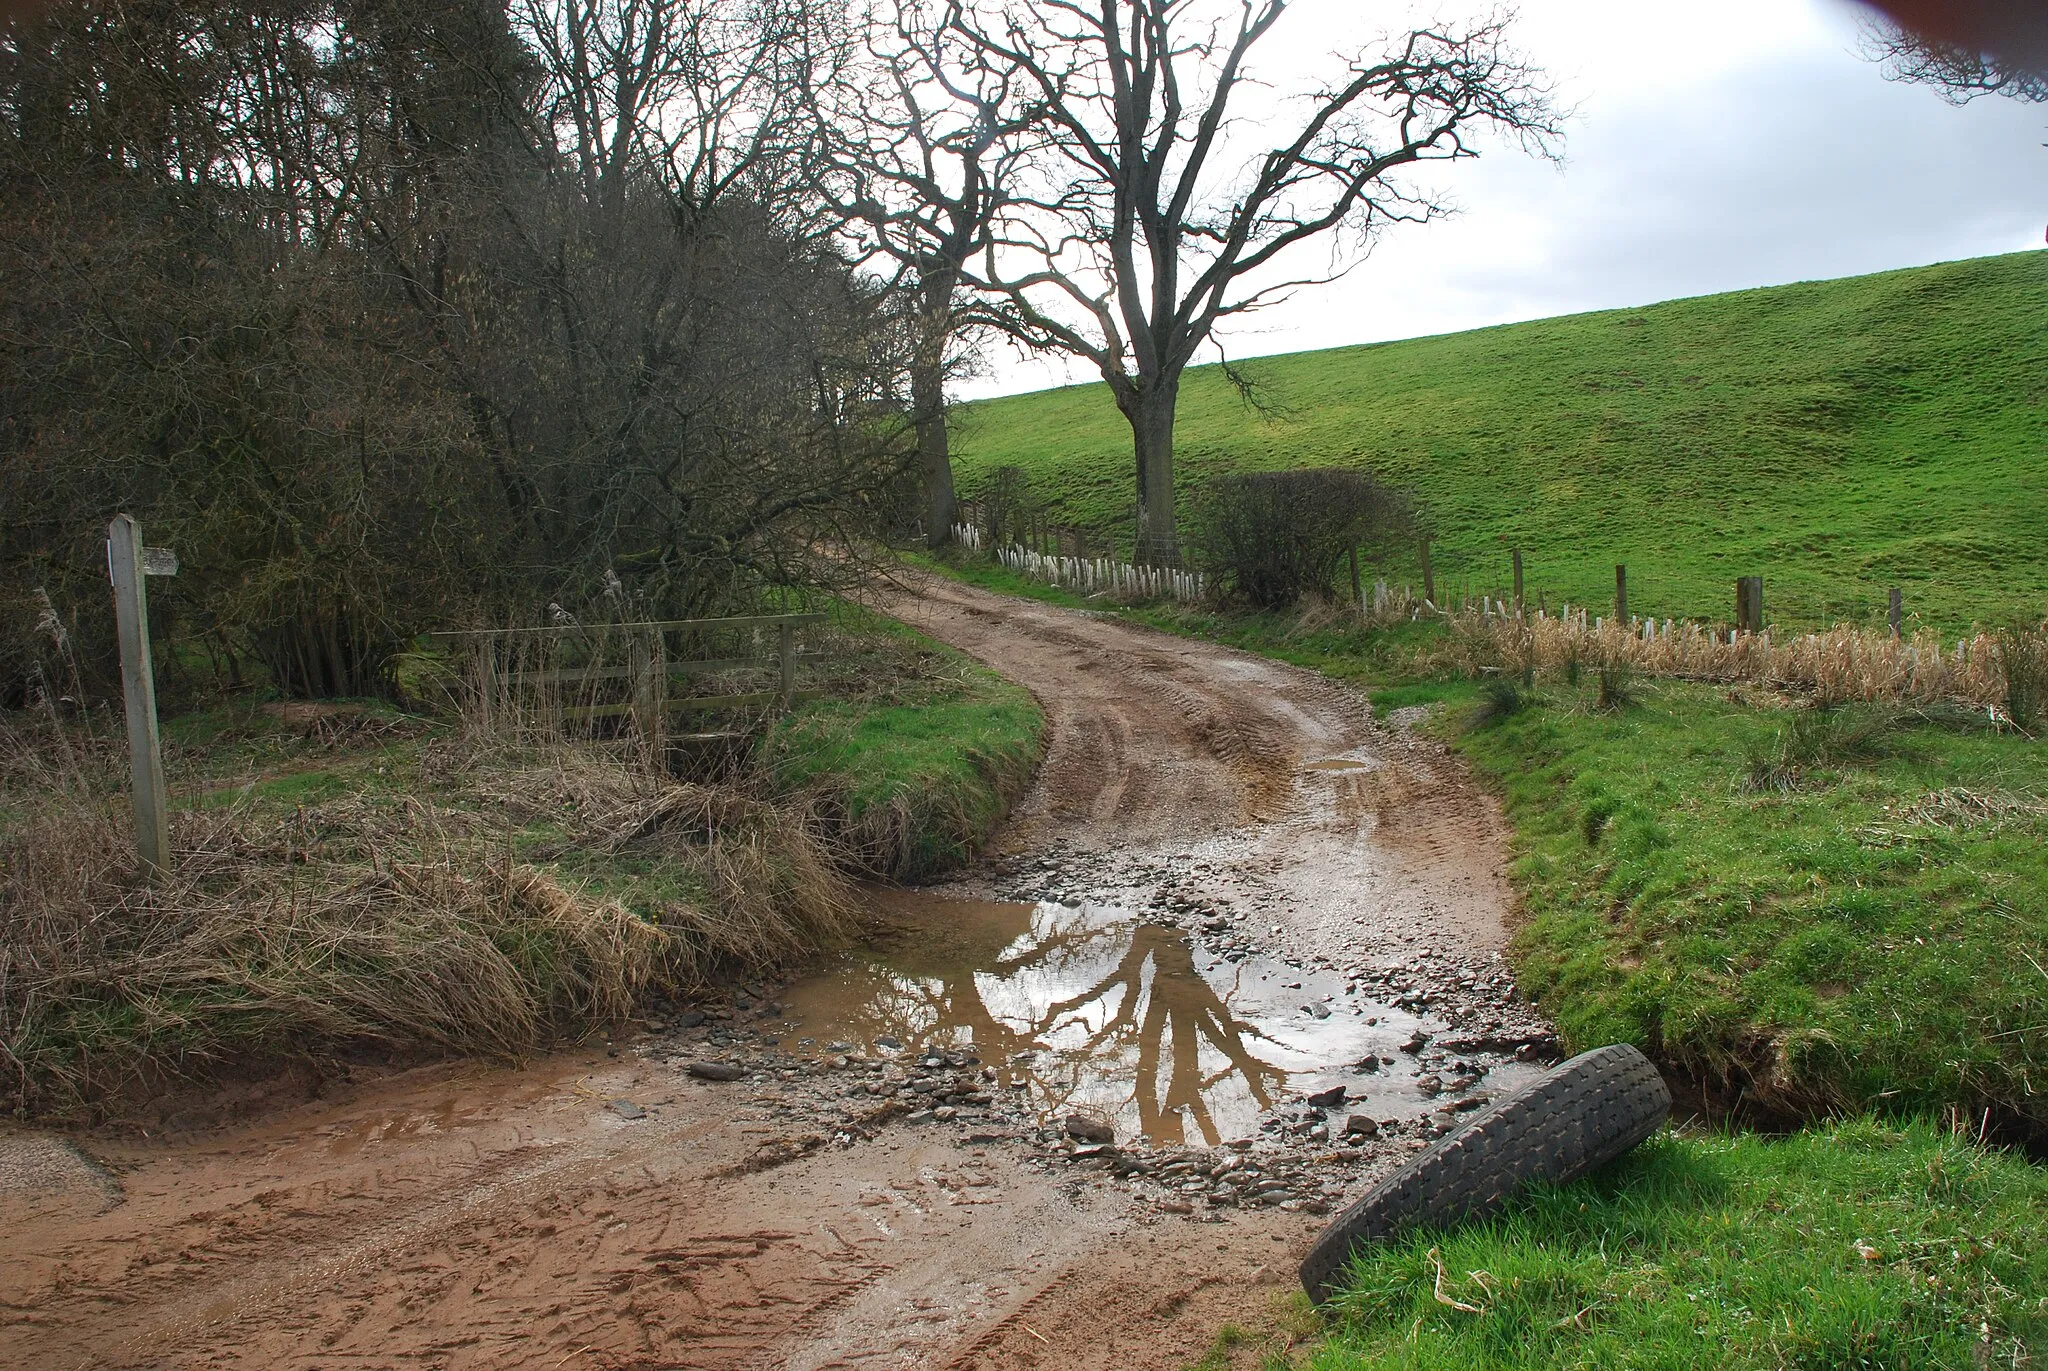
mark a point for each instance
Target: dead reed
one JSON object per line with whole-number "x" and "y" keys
{"x": 1840, "y": 665}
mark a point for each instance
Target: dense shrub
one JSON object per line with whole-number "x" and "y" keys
{"x": 1275, "y": 536}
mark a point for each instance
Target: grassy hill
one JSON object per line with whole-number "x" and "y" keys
{"x": 1836, "y": 437}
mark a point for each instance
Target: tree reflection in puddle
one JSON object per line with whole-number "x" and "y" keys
{"x": 1111, "y": 1013}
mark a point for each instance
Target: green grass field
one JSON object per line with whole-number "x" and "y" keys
{"x": 1835, "y": 437}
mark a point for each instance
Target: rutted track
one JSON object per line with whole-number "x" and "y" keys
{"x": 472, "y": 1217}
{"x": 1163, "y": 745}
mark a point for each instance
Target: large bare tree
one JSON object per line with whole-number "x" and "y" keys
{"x": 919, "y": 141}
{"x": 1172, "y": 203}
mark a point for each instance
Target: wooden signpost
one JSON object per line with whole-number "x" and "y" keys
{"x": 128, "y": 563}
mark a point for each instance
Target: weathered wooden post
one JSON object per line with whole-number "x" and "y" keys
{"x": 1621, "y": 594}
{"x": 647, "y": 665}
{"x": 127, "y": 564}
{"x": 786, "y": 660}
{"x": 1749, "y": 604}
{"x": 486, "y": 680}
{"x": 1428, "y": 575}
{"x": 1518, "y": 581}
{"x": 1898, "y": 613}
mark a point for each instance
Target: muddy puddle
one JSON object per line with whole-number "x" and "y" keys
{"x": 1091, "y": 1007}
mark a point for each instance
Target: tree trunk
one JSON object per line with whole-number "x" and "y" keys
{"x": 934, "y": 456}
{"x": 1151, "y": 416}
{"x": 928, "y": 403}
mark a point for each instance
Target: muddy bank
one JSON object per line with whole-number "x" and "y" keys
{"x": 1227, "y": 892}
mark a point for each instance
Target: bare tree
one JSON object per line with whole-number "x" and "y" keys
{"x": 703, "y": 94}
{"x": 918, "y": 145}
{"x": 1958, "y": 71}
{"x": 1146, "y": 235}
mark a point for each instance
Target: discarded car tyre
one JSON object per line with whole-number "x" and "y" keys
{"x": 1583, "y": 1114}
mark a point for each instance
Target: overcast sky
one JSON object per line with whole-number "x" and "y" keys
{"x": 1717, "y": 146}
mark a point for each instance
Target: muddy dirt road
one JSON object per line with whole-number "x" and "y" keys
{"x": 1228, "y": 890}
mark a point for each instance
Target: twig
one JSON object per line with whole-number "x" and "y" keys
{"x": 1035, "y": 1333}
{"x": 1436, "y": 1260}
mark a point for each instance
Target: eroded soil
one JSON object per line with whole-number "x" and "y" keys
{"x": 1228, "y": 890}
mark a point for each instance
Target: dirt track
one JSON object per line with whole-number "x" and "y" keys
{"x": 468, "y": 1217}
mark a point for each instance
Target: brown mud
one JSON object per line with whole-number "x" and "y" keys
{"x": 1228, "y": 890}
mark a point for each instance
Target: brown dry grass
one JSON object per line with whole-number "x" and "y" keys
{"x": 1839, "y": 666}
{"x": 389, "y": 921}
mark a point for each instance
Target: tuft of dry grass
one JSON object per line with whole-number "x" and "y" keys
{"x": 2023, "y": 665}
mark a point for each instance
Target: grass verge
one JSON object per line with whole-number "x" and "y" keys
{"x": 1820, "y": 910}
{"x": 919, "y": 776}
{"x": 1856, "y": 1245}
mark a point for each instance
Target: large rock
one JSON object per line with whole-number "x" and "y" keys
{"x": 718, "y": 1071}
{"x": 1087, "y": 1129}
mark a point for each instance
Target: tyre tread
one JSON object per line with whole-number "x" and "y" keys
{"x": 1584, "y": 1113}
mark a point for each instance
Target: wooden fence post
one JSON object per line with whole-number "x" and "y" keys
{"x": 138, "y": 687}
{"x": 1428, "y": 575}
{"x": 647, "y": 666}
{"x": 1518, "y": 580}
{"x": 1749, "y": 604}
{"x": 1357, "y": 587}
{"x": 1621, "y": 594}
{"x": 1898, "y": 612}
{"x": 786, "y": 660}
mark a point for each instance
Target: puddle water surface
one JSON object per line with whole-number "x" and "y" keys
{"x": 1092, "y": 1006}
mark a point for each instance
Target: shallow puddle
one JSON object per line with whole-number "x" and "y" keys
{"x": 1092, "y": 1007}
